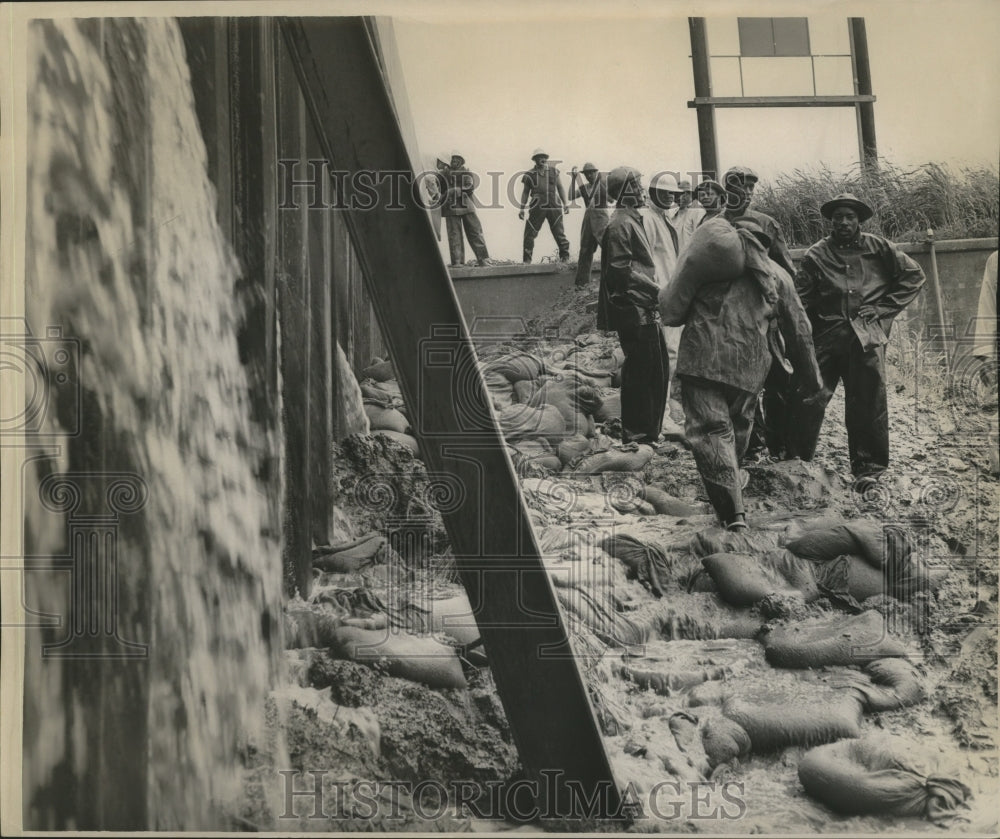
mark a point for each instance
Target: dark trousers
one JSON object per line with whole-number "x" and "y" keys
{"x": 772, "y": 427}
{"x": 554, "y": 216}
{"x": 717, "y": 423}
{"x": 645, "y": 373}
{"x": 590, "y": 241}
{"x": 866, "y": 412}
{"x": 473, "y": 229}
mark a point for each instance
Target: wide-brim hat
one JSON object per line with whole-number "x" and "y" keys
{"x": 459, "y": 155}
{"x": 587, "y": 167}
{"x": 846, "y": 199}
{"x": 539, "y": 153}
{"x": 684, "y": 186}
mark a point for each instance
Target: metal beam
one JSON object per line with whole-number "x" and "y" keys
{"x": 863, "y": 87}
{"x": 538, "y": 681}
{"x": 779, "y": 101}
{"x": 703, "y": 91}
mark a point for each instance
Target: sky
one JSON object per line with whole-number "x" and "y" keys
{"x": 609, "y": 83}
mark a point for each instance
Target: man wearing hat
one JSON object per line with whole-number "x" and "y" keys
{"x": 853, "y": 284}
{"x": 548, "y": 203}
{"x": 460, "y": 212}
{"x": 688, "y": 214}
{"x": 627, "y": 303}
{"x": 663, "y": 244}
{"x": 594, "y": 192}
{"x": 711, "y": 198}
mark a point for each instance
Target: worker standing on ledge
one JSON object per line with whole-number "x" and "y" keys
{"x": 594, "y": 193}
{"x": 460, "y": 212}
{"x": 853, "y": 285}
{"x": 548, "y": 203}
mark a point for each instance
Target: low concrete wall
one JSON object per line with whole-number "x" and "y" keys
{"x": 499, "y": 297}
{"x": 518, "y": 291}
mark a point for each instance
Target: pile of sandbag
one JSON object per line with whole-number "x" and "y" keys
{"x": 858, "y": 560}
{"x": 384, "y": 406}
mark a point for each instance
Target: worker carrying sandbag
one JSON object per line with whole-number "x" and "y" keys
{"x": 739, "y": 310}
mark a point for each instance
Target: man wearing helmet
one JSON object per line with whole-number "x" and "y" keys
{"x": 548, "y": 203}
{"x": 594, "y": 193}
{"x": 460, "y": 212}
{"x": 628, "y": 304}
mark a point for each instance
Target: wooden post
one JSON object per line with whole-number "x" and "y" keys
{"x": 703, "y": 88}
{"x": 498, "y": 559}
{"x": 863, "y": 86}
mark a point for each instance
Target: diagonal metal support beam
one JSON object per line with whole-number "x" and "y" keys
{"x": 539, "y": 683}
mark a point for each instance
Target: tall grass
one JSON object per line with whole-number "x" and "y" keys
{"x": 959, "y": 204}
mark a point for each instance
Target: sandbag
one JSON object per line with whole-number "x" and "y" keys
{"x": 643, "y": 562}
{"x": 379, "y": 370}
{"x": 517, "y": 366}
{"x": 684, "y": 727}
{"x": 451, "y": 615}
{"x": 849, "y": 578}
{"x": 794, "y": 713}
{"x": 708, "y": 693}
{"x": 713, "y": 255}
{"x": 670, "y": 682}
{"x": 349, "y": 557}
{"x": 387, "y": 393}
{"x": 524, "y": 390}
{"x": 405, "y": 440}
{"x": 406, "y": 656}
{"x": 610, "y": 407}
{"x": 574, "y": 447}
{"x": 854, "y": 639}
{"x": 717, "y": 540}
{"x": 888, "y": 548}
{"x": 666, "y": 504}
{"x": 723, "y": 741}
{"x": 874, "y": 777}
{"x": 613, "y": 460}
{"x": 890, "y": 684}
{"x": 599, "y": 616}
{"x": 386, "y": 419}
{"x": 501, "y": 390}
{"x": 520, "y": 421}
{"x": 742, "y": 580}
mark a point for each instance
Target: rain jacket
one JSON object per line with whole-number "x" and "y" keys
{"x": 629, "y": 291}
{"x": 733, "y": 330}
{"x": 835, "y": 282}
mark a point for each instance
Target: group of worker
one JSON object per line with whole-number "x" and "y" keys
{"x": 758, "y": 357}
{"x": 755, "y": 360}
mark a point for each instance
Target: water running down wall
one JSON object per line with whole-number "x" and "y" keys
{"x": 125, "y": 255}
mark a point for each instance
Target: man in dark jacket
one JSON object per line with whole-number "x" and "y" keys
{"x": 547, "y": 203}
{"x": 732, "y": 331}
{"x": 594, "y": 192}
{"x": 460, "y": 212}
{"x": 627, "y": 303}
{"x": 853, "y": 285}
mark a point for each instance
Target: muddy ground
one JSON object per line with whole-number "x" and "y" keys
{"x": 349, "y": 720}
